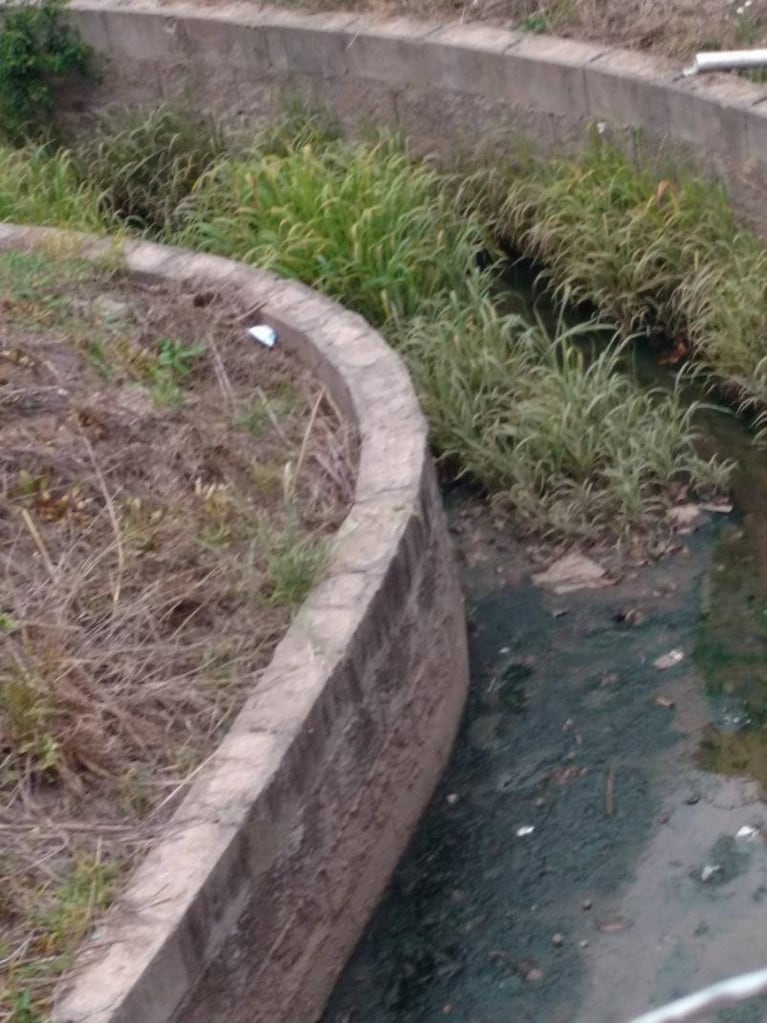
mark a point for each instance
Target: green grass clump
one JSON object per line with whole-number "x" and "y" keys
{"x": 568, "y": 439}
{"x": 359, "y": 221}
{"x": 144, "y": 163}
{"x": 40, "y": 186}
{"x": 652, "y": 254}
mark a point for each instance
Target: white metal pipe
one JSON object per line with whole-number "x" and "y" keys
{"x": 724, "y": 60}
{"x": 719, "y": 996}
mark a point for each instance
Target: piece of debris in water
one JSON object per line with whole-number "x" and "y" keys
{"x": 663, "y": 701}
{"x": 629, "y": 616}
{"x": 709, "y": 871}
{"x": 612, "y": 926}
{"x": 717, "y": 507}
{"x": 668, "y": 660}
{"x": 264, "y": 334}
{"x": 684, "y": 514}
{"x": 747, "y": 832}
{"x": 524, "y": 830}
{"x": 570, "y": 573}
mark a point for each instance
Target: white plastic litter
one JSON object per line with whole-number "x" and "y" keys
{"x": 264, "y": 334}
{"x": 525, "y": 830}
{"x": 747, "y": 832}
{"x": 669, "y": 660}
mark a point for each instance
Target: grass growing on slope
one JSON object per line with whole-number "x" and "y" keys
{"x": 660, "y": 255}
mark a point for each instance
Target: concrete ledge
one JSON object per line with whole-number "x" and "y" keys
{"x": 455, "y": 86}
{"x": 248, "y": 907}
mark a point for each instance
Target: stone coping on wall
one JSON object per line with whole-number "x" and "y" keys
{"x": 253, "y": 898}
{"x": 448, "y": 87}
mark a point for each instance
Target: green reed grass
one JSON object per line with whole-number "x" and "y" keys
{"x": 568, "y": 439}
{"x": 40, "y": 186}
{"x": 652, "y": 253}
{"x": 144, "y": 163}
{"x": 360, "y": 221}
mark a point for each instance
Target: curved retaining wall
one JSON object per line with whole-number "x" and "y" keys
{"x": 448, "y": 88}
{"x": 247, "y": 908}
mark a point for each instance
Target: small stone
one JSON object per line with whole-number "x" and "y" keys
{"x": 587, "y": 904}
{"x": 692, "y": 799}
{"x": 709, "y": 871}
{"x": 612, "y": 926}
{"x": 534, "y": 975}
{"x": 583, "y": 943}
{"x": 558, "y": 940}
{"x": 668, "y": 660}
{"x": 452, "y": 798}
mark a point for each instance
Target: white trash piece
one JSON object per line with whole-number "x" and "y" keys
{"x": 264, "y": 334}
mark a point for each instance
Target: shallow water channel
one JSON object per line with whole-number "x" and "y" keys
{"x": 580, "y": 861}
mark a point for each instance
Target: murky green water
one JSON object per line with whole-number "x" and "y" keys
{"x": 558, "y": 875}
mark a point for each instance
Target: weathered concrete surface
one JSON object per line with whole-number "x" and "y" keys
{"x": 248, "y": 907}
{"x": 449, "y": 88}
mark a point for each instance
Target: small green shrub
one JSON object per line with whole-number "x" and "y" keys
{"x": 293, "y": 566}
{"x": 144, "y": 163}
{"x": 38, "y": 47}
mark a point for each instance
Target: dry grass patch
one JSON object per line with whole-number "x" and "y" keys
{"x": 169, "y": 489}
{"x": 673, "y": 28}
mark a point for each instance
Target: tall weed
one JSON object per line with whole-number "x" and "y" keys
{"x": 567, "y": 439}
{"x": 654, "y": 255}
{"x": 144, "y": 163}
{"x": 40, "y": 186}
{"x": 359, "y": 221}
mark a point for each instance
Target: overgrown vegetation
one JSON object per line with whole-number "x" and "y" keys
{"x": 551, "y": 420}
{"x": 40, "y": 186}
{"x": 560, "y": 433}
{"x": 655, "y": 256}
{"x": 38, "y": 48}
{"x": 359, "y": 221}
{"x": 143, "y": 164}
{"x": 394, "y": 239}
